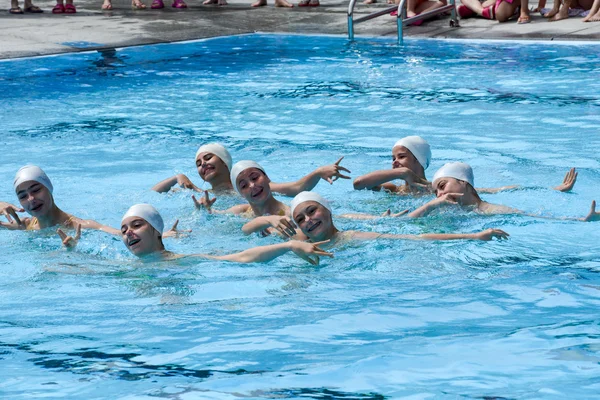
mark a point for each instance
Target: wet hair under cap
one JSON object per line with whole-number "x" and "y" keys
{"x": 147, "y": 213}
{"x": 418, "y": 147}
{"x": 240, "y": 167}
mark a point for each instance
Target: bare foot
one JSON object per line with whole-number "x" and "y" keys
{"x": 259, "y": 3}
{"x": 562, "y": 14}
{"x": 283, "y": 3}
{"x": 106, "y": 5}
{"x": 552, "y": 12}
{"x": 369, "y": 1}
{"x": 592, "y": 18}
{"x": 410, "y": 14}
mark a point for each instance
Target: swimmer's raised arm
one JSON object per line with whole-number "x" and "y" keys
{"x": 566, "y": 185}
{"x": 485, "y": 235}
{"x": 330, "y": 173}
{"x": 307, "y": 251}
{"x": 179, "y": 179}
{"x": 378, "y": 180}
{"x": 283, "y": 225}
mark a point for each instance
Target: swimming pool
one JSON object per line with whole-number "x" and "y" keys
{"x": 514, "y": 319}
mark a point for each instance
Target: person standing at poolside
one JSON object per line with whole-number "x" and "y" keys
{"x": 410, "y": 158}
{"x": 278, "y": 3}
{"x": 135, "y": 5}
{"x": 141, "y": 232}
{"x": 64, "y": 8}
{"x": 214, "y": 162}
{"x": 454, "y": 185}
{"x": 28, "y": 7}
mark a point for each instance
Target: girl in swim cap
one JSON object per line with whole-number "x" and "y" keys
{"x": 35, "y": 193}
{"x": 454, "y": 185}
{"x": 214, "y": 164}
{"x": 252, "y": 183}
{"x": 410, "y": 158}
{"x": 141, "y": 232}
{"x": 312, "y": 214}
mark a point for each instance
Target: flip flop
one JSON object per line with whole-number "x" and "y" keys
{"x": 58, "y": 9}
{"x": 179, "y": 4}
{"x": 33, "y": 9}
{"x": 524, "y": 20}
{"x": 16, "y": 10}
{"x": 157, "y": 4}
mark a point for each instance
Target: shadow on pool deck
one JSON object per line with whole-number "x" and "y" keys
{"x": 91, "y": 28}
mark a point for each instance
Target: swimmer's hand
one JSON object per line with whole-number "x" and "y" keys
{"x": 309, "y": 251}
{"x": 593, "y": 215}
{"x": 174, "y": 232}
{"x": 284, "y": 225}
{"x": 185, "y": 182}
{"x": 10, "y": 212}
{"x": 204, "y": 202}
{"x": 389, "y": 213}
{"x": 70, "y": 242}
{"x": 331, "y": 173}
{"x": 411, "y": 178}
{"x": 568, "y": 181}
{"x": 444, "y": 200}
{"x": 489, "y": 234}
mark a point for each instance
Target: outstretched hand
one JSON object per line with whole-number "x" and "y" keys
{"x": 174, "y": 232}
{"x": 568, "y": 181}
{"x": 331, "y": 173}
{"x": 310, "y": 251}
{"x": 204, "y": 202}
{"x": 10, "y": 212}
{"x": 489, "y": 234}
{"x": 70, "y": 242}
{"x": 593, "y": 215}
{"x": 389, "y": 213}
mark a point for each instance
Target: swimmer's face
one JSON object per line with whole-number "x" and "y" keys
{"x": 139, "y": 236}
{"x": 210, "y": 166}
{"x": 253, "y": 184}
{"x": 403, "y": 158}
{"x": 35, "y": 198}
{"x": 449, "y": 185}
{"x": 314, "y": 220}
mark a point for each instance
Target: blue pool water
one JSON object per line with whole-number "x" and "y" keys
{"x": 418, "y": 320}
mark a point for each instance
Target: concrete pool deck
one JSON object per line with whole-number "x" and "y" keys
{"x": 91, "y": 28}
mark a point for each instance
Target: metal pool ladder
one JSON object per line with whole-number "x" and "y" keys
{"x": 401, "y": 19}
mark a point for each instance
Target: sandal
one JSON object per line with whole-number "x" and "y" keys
{"x": 70, "y": 9}
{"x": 137, "y": 5}
{"x": 157, "y": 4}
{"x": 303, "y": 3}
{"x": 179, "y": 4}
{"x": 15, "y": 10}
{"x": 314, "y": 3}
{"x": 59, "y": 8}
{"x": 33, "y": 9}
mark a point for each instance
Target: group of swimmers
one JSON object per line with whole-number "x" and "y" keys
{"x": 306, "y": 224}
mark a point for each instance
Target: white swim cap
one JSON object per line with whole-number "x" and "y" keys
{"x": 309, "y": 196}
{"x": 240, "y": 167}
{"x": 148, "y": 213}
{"x": 418, "y": 147}
{"x": 218, "y": 150}
{"x": 32, "y": 173}
{"x": 456, "y": 170}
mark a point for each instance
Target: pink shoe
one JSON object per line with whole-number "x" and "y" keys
{"x": 179, "y": 4}
{"x": 58, "y": 9}
{"x": 157, "y": 4}
{"x": 70, "y": 9}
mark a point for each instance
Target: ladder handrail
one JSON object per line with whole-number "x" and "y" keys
{"x": 401, "y": 19}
